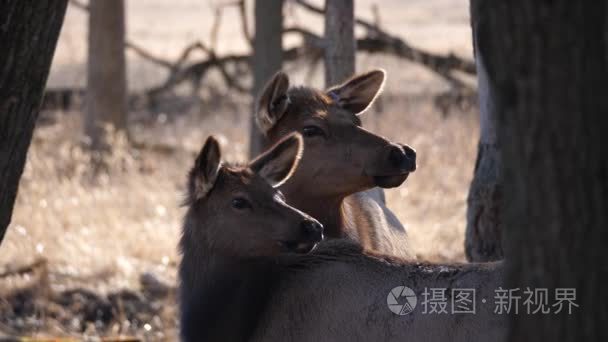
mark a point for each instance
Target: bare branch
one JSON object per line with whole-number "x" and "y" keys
{"x": 215, "y": 29}
{"x": 143, "y": 53}
{"x": 197, "y": 71}
{"x": 40, "y": 263}
{"x": 309, "y": 38}
{"x": 381, "y": 41}
{"x": 233, "y": 67}
{"x": 140, "y": 51}
{"x": 318, "y": 10}
{"x": 245, "y": 22}
{"x": 188, "y": 50}
{"x": 376, "y": 14}
{"x": 80, "y": 5}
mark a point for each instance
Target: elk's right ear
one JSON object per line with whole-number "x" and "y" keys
{"x": 280, "y": 162}
{"x": 359, "y": 92}
{"x": 273, "y": 102}
{"x": 205, "y": 170}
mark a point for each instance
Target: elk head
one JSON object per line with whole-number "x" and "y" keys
{"x": 341, "y": 156}
{"x": 237, "y": 211}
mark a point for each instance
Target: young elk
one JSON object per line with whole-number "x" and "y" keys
{"x": 236, "y": 217}
{"x": 342, "y": 159}
{"x": 242, "y": 281}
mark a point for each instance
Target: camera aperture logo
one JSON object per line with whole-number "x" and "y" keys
{"x": 401, "y": 300}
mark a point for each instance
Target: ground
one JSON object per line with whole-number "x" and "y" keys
{"x": 105, "y": 247}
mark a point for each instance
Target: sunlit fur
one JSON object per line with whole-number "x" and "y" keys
{"x": 339, "y": 170}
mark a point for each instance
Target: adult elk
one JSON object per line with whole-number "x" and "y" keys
{"x": 235, "y": 217}
{"x": 245, "y": 274}
{"x": 342, "y": 159}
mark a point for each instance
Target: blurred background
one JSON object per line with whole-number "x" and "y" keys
{"x": 92, "y": 245}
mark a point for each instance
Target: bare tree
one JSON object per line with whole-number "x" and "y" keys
{"x": 106, "y": 99}
{"x": 483, "y": 232}
{"x": 340, "y": 43}
{"x": 28, "y": 35}
{"x": 267, "y": 55}
{"x": 548, "y": 62}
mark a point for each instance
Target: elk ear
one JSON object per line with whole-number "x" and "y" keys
{"x": 273, "y": 102}
{"x": 358, "y": 93}
{"x": 205, "y": 170}
{"x": 278, "y": 163}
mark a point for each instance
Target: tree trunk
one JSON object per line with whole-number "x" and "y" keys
{"x": 340, "y": 41}
{"x": 340, "y": 52}
{"x": 267, "y": 56}
{"x": 106, "y": 102}
{"x": 548, "y": 61}
{"x": 28, "y": 36}
{"x": 483, "y": 239}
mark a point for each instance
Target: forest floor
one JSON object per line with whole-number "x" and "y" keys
{"x": 88, "y": 256}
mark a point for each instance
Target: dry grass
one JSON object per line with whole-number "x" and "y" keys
{"x": 101, "y": 233}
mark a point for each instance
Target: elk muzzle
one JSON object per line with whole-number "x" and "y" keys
{"x": 311, "y": 233}
{"x": 395, "y": 164}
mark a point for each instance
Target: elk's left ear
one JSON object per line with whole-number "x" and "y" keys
{"x": 358, "y": 93}
{"x": 278, "y": 163}
{"x": 273, "y": 102}
{"x": 205, "y": 170}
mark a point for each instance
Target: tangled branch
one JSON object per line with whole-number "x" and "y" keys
{"x": 233, "y": 67}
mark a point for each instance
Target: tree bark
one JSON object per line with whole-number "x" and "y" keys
{"x": 267, "y": 56}
{"x": 106, "y": 102}
{"x": 28, "y": 35}
{"x": 483, "y": 239}
{"x": 548, "y": 61}
{"x": 340, "y": 43}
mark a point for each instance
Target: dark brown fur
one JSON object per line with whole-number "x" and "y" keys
{"x": 238, "y": 285}
{"x": 223, "y": 238}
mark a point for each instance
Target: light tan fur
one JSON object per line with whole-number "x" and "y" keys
{"x": 374, "y": 224}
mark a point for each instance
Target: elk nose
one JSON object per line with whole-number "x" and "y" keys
{"x": 403, "y": 157}
{"x": 312, "y": 229}
{"x": 410, "y": 153}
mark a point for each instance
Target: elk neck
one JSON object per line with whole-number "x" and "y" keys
{"x": 223, "y": 298}
{"x": 327, "y": 210}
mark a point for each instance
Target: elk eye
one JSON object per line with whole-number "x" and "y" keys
{"x": 240, "y": 203}
{"x": 312, "y": 131}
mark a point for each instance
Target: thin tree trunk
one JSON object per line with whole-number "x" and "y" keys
{"x": 483, "y": 239}
{"x": 267, "y": 56}
{"x": 28, "y": 35}
{"x": 106, "y": 102}
{"x": 341, "y": 51}
{"x": 340, "y": 41}
{"x": 548, "y": 61}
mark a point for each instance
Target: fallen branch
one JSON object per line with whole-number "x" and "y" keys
{"x": 385, "y": 42}
{"x": 143, "y": 53}
{"x": 40, "y": 263}
{"x": 376, "y": 41}
{"x": 441, "y": 65}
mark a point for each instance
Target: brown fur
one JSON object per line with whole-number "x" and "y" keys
{"x": 344, "y": 161}
{"x": 237, "y": 284}
{"x": 346, "y": 299}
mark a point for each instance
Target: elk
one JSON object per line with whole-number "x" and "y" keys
{"x": 342, "y": 159}
{"x": 235, "y": 217}
{"x": 254, "y": 269}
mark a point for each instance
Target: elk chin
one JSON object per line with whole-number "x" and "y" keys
{"x": 299, "y": 247}
{"x": 387, "y": 182}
